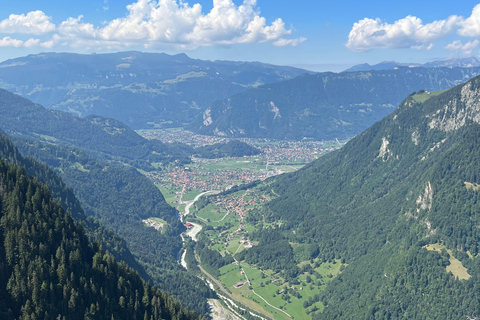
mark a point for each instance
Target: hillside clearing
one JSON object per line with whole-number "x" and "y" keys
{"x": 456, "y": 267}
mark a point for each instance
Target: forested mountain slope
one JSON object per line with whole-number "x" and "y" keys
{"x": 233, "y": 148}
{"x": 324, "y": 105}
{"x": 49, "y": 270}
{"x": 400, "y": 203}
{"x": 65, "y": 197}
{"x": 103, "y": 138}
{"x": 120, "y": 198}
{"x": 116, "y": 195}
{"x": 137, "y": 88}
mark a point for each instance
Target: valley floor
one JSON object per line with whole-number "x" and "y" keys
{"x": 221, "y": 218}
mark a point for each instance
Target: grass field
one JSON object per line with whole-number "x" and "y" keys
{"x": 276, "y": 291}
{"x": 456, "y": 267}
{"x": 267, "y": 283}
{"x": 159, "y": 220}
{"x": 211, "y": 212}
{"x": 170, "y": 194}
{"x": 190, "y": 195}
{"x": 424, "y": 96}
{"x": 472, "y": 186}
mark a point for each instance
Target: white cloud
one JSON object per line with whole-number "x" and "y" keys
{"x": 34, "y": 22}
{"x": 409, "y": 32}
{"x": 470, "y": 27}
{"x": 466, "y": 48}
{"x": 171, "y": 24}
{"x": 9, "y": 42}
{"x": 289, "y": 42}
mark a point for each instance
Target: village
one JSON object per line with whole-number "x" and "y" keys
{"x": 196, "y": 178}
{"x": 202, "y": 175}
{"x": 275, "y": 151}
{"x": 238, "y": 205}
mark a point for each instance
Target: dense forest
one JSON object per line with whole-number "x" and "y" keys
{"x": 95, "y": 158}
{"x": 48, "y": 268}
{"x": 273, "y": 252}
{"x": 233, "y": 148}
{"x": 96, "y": 232}
{"x": 120, "y": 198}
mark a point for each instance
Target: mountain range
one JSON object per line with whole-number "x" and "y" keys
{"x": 140, "y": 89}
{"x": 324, "y": 105}
{"x": 398, "y": 206}
{"x": 446, "y": 63}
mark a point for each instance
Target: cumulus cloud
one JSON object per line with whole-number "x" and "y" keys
{"x": 466, "y": 48}
{"x": 470, "y": 27}
{"x": 409, "y": 32}
{"x": 9, "y": 42}
{"x": 166, "y": 24}
{"x": 34, "y": 22}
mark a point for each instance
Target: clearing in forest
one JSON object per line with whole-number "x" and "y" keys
{"x": 456, "y": 267}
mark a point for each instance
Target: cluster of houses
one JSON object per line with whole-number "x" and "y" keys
{"x": 192, "y": 178}
{"x": 240, "y": 204}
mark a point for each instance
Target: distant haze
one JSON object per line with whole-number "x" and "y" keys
{"x": 323, "y": 67}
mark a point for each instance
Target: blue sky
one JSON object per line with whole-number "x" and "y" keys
{"x": 321, "y": 35}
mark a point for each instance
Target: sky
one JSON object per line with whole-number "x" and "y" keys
{"x": 316, "y": 34}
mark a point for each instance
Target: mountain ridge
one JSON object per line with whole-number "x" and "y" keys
{"x": 388, "y": 65}
{"x": 324, "y": 106}
{"x": 382, "y": 200}
{"x": 140, "y": 89}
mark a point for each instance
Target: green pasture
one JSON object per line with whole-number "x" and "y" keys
{"x": 190, "y": 195}
{"x": 170, "y": 194}
{"x": 211, "y": 212}
{"x": 424, "y": 96}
